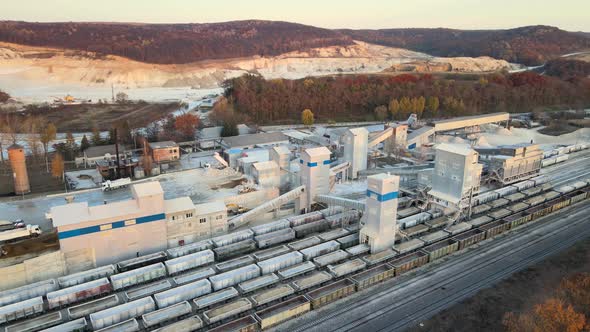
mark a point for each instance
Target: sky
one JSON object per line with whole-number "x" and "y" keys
{"x": 573, "y": 15}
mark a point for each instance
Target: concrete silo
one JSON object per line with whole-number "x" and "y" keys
{"x": 16, "y": 155}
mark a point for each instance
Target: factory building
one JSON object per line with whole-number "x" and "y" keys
{"x": 456, "y": 177}
{"x": 512, "y": 163}
{"x": 266, "y": 174}
{"x": 379, "y": 223}
{"x": 315, "y": 173}
{"x": 99, "y": 153}
{"x": 398, "y": 139}
{"x": 18, "y": 163}
{"x": 282, "y": 156}
{"x": 355, "y": 142}
{"x": 145, "y": 224}
{"x": 165, "y": 151}
{"x": 235, "y": 146}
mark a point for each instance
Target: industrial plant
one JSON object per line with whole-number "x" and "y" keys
{"x": 333, "y": 211}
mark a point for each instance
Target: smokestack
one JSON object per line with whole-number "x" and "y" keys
{"x": 117, "y": 167}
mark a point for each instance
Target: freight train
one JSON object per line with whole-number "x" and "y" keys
{"x": 266, "y": 287}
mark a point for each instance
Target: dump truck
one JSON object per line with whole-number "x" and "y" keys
{"x": 20, "y": 233}
{"x": 115, "y": 184}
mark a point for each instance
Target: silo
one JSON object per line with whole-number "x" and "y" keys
{"x": 16, "y": 155}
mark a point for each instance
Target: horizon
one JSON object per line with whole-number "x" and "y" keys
{"x": 376, "y": 14}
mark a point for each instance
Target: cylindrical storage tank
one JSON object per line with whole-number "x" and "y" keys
{"x": 276, "y": 263}
{"x": 190, "y": 261}
{"x": 138, "y": 173}
{"x": 78, "y": 293}
{"x": 320, "y": 249}
{"x": 138, "y": 276}
{"x": 16, "y": 155}
{"x": 122, "y": 312}
{"x": 182, "y": 293}
{"x": 234, "y": 277}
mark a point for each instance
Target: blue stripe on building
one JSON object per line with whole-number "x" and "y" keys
{"x": 412, "y": 146}
{"x": 382, "y": 197}
{"x": 310, "y": 164}
{"x": 116, "y": 224}
{"x": 327, "y": 162}
{"x": 301, "y": 161}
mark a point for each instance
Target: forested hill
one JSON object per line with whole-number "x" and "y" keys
{"x": 174, "y": 43}
{"x": 531, "y": 45}
{"x": 185, "y": 43}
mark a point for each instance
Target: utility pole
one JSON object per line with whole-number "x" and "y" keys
{"x": 112, "y": 93}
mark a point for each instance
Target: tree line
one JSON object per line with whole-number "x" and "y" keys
{"x": 364, "y": 97}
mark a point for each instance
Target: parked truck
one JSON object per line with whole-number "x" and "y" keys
{"x": 115, "y": 184}
{"x": 20, "y": 233}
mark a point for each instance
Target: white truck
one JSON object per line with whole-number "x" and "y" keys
{"x": 115, "y": 184}
{"x": 20, "y": 233}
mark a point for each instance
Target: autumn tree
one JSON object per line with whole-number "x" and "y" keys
{"x": 124, "y": 134}
{"x": 230, "y": 128}
{"x": 575, "y": 289}
{"x": 432, "y": 104}
{"x": 57, "y": 166}
{"x": 381, "y": 113}
{"x": 84, "y": 143}
{"x": 394, "y": 108}
{"x": 553, "y": 315}
{"x": 96, "y": 139}
{"x": 307, "y": 117}
{"x": 121, "y": 97}
{"x": 187, "y": 124}
{"x": 71, "y": 146}
{"x": 406, "y": 107}
{"x": 32, "y": 126}
{"x": 48, "y": 134}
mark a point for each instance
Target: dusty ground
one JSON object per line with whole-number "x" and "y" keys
{"x": 484, "y": 311}
{"x": 81, "y": 118}
{"x": 19, "y": 251}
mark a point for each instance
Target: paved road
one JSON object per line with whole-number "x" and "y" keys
{"x": 405, "y": 302}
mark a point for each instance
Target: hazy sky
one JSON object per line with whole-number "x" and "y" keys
{"x": 566, "y": 14}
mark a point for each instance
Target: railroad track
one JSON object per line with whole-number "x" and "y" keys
{"x": 376, "y": 295}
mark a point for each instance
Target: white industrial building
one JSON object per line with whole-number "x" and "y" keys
{"x": 512, "y": 163}
{"x": 315, "y": 173}
{"x": 187, "y": 222}
{"x": 398, "y": 139}
{"x": 355, "y": 142}
{"x": 266, "y": 174}
{"x": 456, "y": 177}
{"x": 142, "y": 225}
{"x": 379, "y": 224}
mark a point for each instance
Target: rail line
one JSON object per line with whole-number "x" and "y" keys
{"x": 375, "y": 295}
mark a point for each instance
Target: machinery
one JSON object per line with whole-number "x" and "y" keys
{"x": 115, "y": 184}
{"x": 20, "y": 233}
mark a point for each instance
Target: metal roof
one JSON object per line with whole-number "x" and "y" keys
{"x": 163, "y": 145}
{"x": 455, "y": 148}
{"x": 211, "y": 207}
{"x": 255, "y": 139}
{"x": 178, "y": 204}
